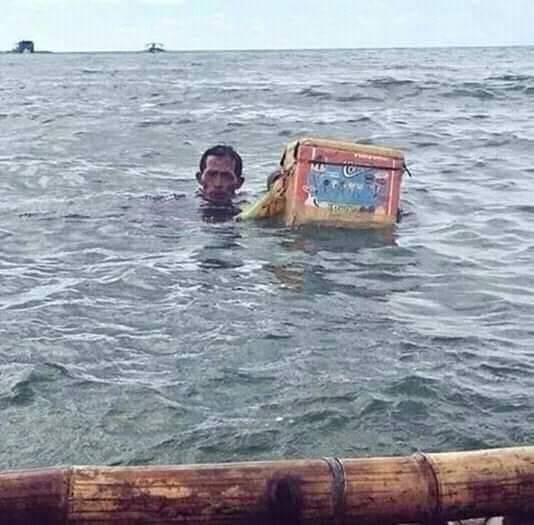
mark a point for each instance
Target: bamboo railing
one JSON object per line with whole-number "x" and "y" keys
{"x": 423, "y": 488}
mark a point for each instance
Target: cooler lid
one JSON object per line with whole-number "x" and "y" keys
{"x": 290, "y": 153}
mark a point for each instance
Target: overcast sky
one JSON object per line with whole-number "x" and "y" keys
{"x": 124, "y": 25}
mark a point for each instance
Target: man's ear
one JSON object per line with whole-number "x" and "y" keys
{"x": 240, "y": 182}
{"x": 199, "y": 177}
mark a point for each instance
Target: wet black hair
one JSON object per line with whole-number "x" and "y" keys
{"x": 222, "y": 150}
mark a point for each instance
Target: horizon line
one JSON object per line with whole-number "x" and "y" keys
{"x": 274, "y": 49}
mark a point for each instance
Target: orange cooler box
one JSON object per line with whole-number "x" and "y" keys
{"x": 341, "y": 183}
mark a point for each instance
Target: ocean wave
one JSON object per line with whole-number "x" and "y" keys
{"x": 360, "y": 97}
{"x": 315, "y": 93}
{"x": 390, "y": 82}
{"x": 511, "y": 78}
{"x": 482, "y": 93}
{"x": 155, "y": 122}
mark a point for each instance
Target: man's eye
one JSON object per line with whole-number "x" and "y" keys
{"x": 225, "y": 176}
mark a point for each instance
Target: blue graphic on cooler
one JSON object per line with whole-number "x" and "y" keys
{"x": 364, "y": 189}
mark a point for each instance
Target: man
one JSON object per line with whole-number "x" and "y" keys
{"x": 220, "y": 176}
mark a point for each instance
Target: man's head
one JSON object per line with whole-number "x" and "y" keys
{"x": 220, "y": 174}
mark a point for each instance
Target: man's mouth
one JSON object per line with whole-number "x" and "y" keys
{"x": 219, "y": 196}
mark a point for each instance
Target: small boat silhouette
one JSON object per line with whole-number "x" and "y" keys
{"x": 24, "y": 46}
{"x": 154, "y": 47}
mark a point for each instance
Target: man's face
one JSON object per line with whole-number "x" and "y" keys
{"x": 219, "y": 180}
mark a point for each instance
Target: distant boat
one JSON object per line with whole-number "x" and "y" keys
{"x": 24, "y": 46}
{"x": 154, "y": 47}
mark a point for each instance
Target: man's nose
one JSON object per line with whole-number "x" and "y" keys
{"x": 218, "y": 181}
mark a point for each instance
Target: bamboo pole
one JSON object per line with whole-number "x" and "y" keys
{"x": 34, "y": 497}
{"x": 430, "y": 488}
